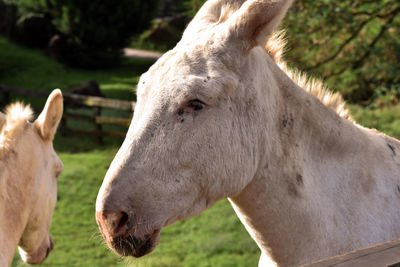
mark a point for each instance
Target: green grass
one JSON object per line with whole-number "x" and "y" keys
{"x": 215, "y": 238}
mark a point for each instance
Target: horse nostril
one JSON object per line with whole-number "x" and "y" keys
{"x": 123, "y": 221}
{"x": 116, "y": 223}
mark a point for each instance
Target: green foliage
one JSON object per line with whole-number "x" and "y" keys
{"x": 98, "y": 29}
{"x": 28, "y": 6}
{"x": 105, "y": 25}
{"x": 94, "y": 30}
{"x": 191, "y": 6}
{"x": 385, "y": 96}
{"x": 353, "y": 45}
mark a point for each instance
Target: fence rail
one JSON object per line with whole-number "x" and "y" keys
{"x": 381, "y": 255}
{"x": 71, "y": 101}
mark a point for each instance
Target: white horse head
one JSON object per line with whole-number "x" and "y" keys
{"x": 28, "y": 191}
{"x": 194, "y": 138}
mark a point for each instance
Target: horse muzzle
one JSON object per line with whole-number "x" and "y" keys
{"x": 40, "y": 254}
{"x": 123, "y": 237}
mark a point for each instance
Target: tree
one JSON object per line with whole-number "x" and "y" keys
{"x": 353, "y": 45}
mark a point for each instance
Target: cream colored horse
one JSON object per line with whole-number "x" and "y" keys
{"x": 220, "y": 116}
{"x": 28, "y": 186}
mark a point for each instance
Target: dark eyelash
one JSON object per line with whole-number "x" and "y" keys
{"x": 196, "y": 104}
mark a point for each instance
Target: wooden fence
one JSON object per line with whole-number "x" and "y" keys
{"x": 381, "y": 255}
{"x": 74, "y": 101}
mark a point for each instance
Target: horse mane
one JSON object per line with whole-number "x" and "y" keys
{"x": 275, "y": 47}
{"x": 12, "y": 124}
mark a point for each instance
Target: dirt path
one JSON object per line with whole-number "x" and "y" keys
{"x": 142, "y": 54}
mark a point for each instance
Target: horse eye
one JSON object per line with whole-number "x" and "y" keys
{"x": 196, "y": 104}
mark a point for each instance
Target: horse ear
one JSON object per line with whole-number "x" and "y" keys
{"x": 212, "y": 12}
{"x": 256, "y": 20}
{"x": 50, "y": 117}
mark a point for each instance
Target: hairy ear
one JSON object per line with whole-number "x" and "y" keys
{"x": 212, "y": 12}
{"x": 256, "y": 20}
{"x": 50, "y": 117}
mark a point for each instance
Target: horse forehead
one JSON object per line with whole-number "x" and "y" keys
{"x": 177, "y": 71}
{"x": 182, "y": 62}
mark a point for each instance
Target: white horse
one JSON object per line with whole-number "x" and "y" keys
{"x": 220, "y": 116}
{"x": 28, "y": 186}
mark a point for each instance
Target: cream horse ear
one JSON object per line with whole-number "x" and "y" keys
{"x": 50, "y": 117}
{"x": 255, "y": 21}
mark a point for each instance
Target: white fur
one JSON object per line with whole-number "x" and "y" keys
{"x": 306, "y": 182}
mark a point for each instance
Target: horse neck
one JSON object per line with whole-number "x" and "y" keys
{"x": 13, "y": 211}
{"x": 298, "y": 130}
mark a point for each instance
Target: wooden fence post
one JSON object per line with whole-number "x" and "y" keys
{"x": 98, "y": 126}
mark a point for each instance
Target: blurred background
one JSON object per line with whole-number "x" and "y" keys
{"x": 89, "y": 48}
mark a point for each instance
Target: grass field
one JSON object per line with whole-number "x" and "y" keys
{"x": 215, "y": 238}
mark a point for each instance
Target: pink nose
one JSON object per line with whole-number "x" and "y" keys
{"x": 114, "y": 223}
